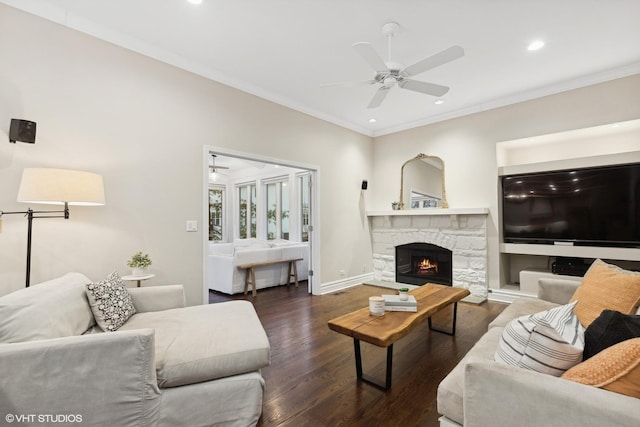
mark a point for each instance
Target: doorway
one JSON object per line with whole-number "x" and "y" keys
{"x": 263, "y": 200}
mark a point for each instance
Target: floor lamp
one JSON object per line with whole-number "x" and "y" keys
{"x": 56, "y": 187}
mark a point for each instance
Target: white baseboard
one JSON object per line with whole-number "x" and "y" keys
{"x": 446, "y": 422}
{"x": 338, "y": 285}
{"x": 503, "y": 295}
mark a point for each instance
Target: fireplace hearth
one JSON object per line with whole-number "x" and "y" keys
{"x": 421, "y": 263}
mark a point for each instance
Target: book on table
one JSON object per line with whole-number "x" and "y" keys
{"x": 394, "y": 303}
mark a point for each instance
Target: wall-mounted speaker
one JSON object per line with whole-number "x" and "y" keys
{"x": 23, "y": 131}
{"x": 365, "y": 184}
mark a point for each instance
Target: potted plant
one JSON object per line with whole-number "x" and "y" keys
{"x": 404, "y": 293}
{"x": 139, "y": 263}
{"x": 394, "y": 206}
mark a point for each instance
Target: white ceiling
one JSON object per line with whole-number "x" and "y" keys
{"x": 283, "y": 50}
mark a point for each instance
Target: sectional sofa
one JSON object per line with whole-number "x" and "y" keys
{"x": 481, "y": 391}
{"x": 224, "y": 259}
{"x": 167, "y": 365}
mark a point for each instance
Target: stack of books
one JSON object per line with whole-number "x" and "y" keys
{"x": 394, "y": 303}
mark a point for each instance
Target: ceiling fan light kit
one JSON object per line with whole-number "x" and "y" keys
{"x": 213, "y": 167}
{"x": 390, "y": 73}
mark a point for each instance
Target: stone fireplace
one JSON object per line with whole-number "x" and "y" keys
{"x": 418, "y": 263}
{"x": 461, "y": 232}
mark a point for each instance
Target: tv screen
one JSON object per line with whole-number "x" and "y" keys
{"x": 592, "y": 207}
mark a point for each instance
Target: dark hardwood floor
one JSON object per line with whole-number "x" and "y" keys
{"x": 312, "y": 381}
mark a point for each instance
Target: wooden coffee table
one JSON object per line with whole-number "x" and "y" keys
{"x": 383, "y": 331}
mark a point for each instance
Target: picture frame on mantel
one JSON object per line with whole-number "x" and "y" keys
{"x": 424, "y": 201}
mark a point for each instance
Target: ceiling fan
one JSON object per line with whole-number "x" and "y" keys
{"x": 213, "y": 167}
{"x": 390, "y": 73}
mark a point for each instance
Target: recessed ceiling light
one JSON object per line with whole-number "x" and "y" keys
{"x": 372, "y": 120}
{"x": 535, "y": 45}
{"x": 439, "y": 101}
{"x": 195, "y": 1}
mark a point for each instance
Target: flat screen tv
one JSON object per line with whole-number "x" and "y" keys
{"x": 597, "y": 206}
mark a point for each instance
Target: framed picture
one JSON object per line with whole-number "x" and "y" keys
{"x": 430, "y": 203}
{"x": 419, "y": 201}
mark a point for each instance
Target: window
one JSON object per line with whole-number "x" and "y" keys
{"x": 247, "y": 211}
{"x": 216, "y": 214}
{"x": 277, "y": 209}
{"x": 305, "y": 206}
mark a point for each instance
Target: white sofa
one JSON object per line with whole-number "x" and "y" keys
{"x": 481, "y": 392}
{"x": 168, "y": 365}
{"x": 224, "y": 259}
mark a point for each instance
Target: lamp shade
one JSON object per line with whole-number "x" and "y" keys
{"x": 59, "y": 186}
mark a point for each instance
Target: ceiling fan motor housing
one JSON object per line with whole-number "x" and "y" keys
{"x": 390, "y": 73}
{"x": 390, "y": 29}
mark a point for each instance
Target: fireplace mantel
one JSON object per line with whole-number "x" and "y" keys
{"x": 431, "y": 211}
{"x": 463, "y": 231}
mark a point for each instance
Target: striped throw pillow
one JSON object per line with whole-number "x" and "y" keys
{"x": 549, "y": 342}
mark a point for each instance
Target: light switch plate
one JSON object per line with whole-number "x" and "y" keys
{"x": 192, "y": 225}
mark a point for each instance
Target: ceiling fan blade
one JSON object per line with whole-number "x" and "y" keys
{"x": 348, "y": 84}
{"x": 424, "y": 87}
{"x": 369, "y": 54}
{"x": 380, "y": 95}
{"x": 447, "y": 55}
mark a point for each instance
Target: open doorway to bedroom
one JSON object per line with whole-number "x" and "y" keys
{"x": 260, "y": 212}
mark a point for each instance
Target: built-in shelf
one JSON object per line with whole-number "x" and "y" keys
{"x": 603, "y": 145}
{"x": 577, "y": 163}
{"x": 627, "y": 254}
{"x": 431, "y": 211}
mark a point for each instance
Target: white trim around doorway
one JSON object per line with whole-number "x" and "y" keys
{"x": 314, "y": 248}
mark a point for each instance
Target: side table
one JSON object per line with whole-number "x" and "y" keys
{"x": 137, "y": 278}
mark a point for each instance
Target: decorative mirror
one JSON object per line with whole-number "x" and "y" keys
{"x": 422, "y": 183}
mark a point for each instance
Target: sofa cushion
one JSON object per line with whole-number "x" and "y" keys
{"x": 451, "y": 389}
{"x": 52, "y": 309}
{"x": 251, "y": 255}
{"x": 610, "y": 328}
{"x": 549, "y": 342}
{"x": 241, "y": 245}
{"x": 523, "y": 306}
{"x": 606, "y": 286}
{"x": 205, "y": 342}
{"x": 110, "y": 302}
{"x": 277, "y": 243}
{"x": 616, "y": 369}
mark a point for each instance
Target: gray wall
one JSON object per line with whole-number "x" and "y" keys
{"x": 467, "y": 145}
{"x": 143, "y": 124}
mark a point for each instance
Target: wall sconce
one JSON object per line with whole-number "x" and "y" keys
{"x": 58, "y": 187}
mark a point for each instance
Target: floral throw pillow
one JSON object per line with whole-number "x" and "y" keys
{"x": 110, "y": 302}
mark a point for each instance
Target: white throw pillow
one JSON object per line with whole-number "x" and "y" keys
{"x": 110, "y": 302}
{"x": 549, "y": 342}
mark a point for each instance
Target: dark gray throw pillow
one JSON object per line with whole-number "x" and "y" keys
{"x": 610, "y": 328}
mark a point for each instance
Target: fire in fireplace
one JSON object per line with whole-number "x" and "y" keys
{"x": 424, "y": 266}
{"x": 420, "y": 263}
